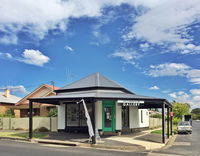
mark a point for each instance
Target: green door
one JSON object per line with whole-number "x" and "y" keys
{"x": 108, "y": 116}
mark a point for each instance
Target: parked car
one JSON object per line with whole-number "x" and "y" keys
{"x": 184, "y": 127}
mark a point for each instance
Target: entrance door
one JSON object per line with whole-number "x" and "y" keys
{"x": 108, "y": 114}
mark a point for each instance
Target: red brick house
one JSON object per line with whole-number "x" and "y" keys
{"x": 22, "y": 106}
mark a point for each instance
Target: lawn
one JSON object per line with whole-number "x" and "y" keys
{"x": 160, "y": 130}
{"x": 21, "y": 135}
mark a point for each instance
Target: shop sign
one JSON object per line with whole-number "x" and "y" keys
{"x": 134, "y": 103}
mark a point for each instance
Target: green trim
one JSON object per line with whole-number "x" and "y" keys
{"x": 113, "y": 107}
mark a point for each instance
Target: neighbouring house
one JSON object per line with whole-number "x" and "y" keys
{"x": 112, "y": 107}
{"x": 39, "y": 109}
{"x": 7, "y": 101}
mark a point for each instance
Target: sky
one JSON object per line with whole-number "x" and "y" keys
{"x": 150, "y": 47}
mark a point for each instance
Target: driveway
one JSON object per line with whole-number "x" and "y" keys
{"x": 185, "y": 144}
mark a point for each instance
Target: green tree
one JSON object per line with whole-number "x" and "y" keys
{"x": 196, "y": 114}
{"x": 196, "y": 111}
{"x": 53, "y": 112}
{"x": 180, "y": 109}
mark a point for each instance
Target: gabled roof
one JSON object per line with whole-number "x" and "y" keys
{"x": 95, "y": 80}
{"x": 52, "y": 87}
{"x": 10, "y": 99}
{"x": 51, "y": 90}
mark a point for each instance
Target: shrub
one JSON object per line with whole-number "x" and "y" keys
{"x": 9, "y": 113}
{"x": 176, "y": 120}
{"x": 156, "y": 116}
{"x": 53, "y": 112}
{"x": 41, "y": 129}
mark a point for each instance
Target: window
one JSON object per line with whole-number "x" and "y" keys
{"x": 141, "y": 116}
{"x": 125, "y": 117}
{"x": 76, "y": 114}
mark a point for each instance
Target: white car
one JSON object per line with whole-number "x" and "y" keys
{"x": 184, "y": 127}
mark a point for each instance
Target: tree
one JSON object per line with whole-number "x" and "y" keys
{"x": 196, "y": 114}
{"x": 180, "y": 109}
{"x": 53, "y": 112}
{"x": 196, "y": 111}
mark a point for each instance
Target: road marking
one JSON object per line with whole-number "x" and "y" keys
{"x": 53, "y": 145}
{"x": 182, "y": 143}
{"x": 160, "y": 154}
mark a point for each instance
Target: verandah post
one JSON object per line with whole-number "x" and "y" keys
{"x": 163, "y": 122}
{"x": 30, "y": 119}
{"x": 93, "y": 122}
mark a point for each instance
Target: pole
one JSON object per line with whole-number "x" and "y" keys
{"x": 93, "y": 122}
{"x": 168, "y": 121}
{"x": 163, "y": 123}
{"x": 171, "y": 122}
{"x": 30, "y": 119}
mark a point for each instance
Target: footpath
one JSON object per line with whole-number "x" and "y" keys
{"x": 130, "y": 142}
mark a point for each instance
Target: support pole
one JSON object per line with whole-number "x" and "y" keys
{"x": 163, "y": 123}
{"x": 30, "y": 119}
{"x": 93, "y": 122}
{"x": 171, "y": 122}
{"x": 168, "y": 122}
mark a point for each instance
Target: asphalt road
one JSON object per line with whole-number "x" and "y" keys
{"x": 185, "y": 144}
{"x": 16, "y": 148}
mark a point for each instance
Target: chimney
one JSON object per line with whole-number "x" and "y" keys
{"x": 6, "y": 93}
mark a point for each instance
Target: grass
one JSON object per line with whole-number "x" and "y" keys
{"x": 157, "y": 131}
{"x": 174, "y": 127}
{"x": 21, "y": 135}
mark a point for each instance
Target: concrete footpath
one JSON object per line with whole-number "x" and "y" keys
{"x": 131, "y": 141}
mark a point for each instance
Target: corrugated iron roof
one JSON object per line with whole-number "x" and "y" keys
{"x": 10, "y": 99}
{"x": 93, "y": 80}
{"x": 98, "y": 94}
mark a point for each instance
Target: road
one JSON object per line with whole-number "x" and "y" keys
{"x": 185, "y": 144}
{"x": 15, "y": 148}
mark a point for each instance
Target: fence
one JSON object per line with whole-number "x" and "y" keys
{"x": 155, "y": 122}
{"x": 51, "y": 123}
{"x": 23, "y": 123}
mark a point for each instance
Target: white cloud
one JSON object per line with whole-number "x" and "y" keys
{"x": 68, "y": 48}
{"x": 168, "y": 69}
{"x": 16, "y": 89}
{"x": 100, "y": 38}
{"x": 38, "y": 18}
{"x": 29, "y": 56}
{"x": 194, "y": 76}
{"x": 34, "y": 57}
{"x": 9, "y": 39}
{"x": 192, "y": 98}
{"x": 195, "y": 91}
{"x": 175, "y": 69}
{"x": 154, "y": 88}
{"x": 6, "y": 56}
{"x": 145, "y": 45}
{"x": 127, "y": 55}
{"x": 168, "y": 23}
{"x": 166, "y": 91}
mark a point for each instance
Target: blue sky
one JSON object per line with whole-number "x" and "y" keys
{"x": 150, "y": 47}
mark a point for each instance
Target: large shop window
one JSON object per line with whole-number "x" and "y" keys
{"x": 76, "y": 114}
{"x": 125, "y": 117}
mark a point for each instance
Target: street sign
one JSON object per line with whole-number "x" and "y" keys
{"x": 171, "y": 113}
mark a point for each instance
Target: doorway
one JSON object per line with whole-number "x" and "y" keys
{"x": 108, "y": 116}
